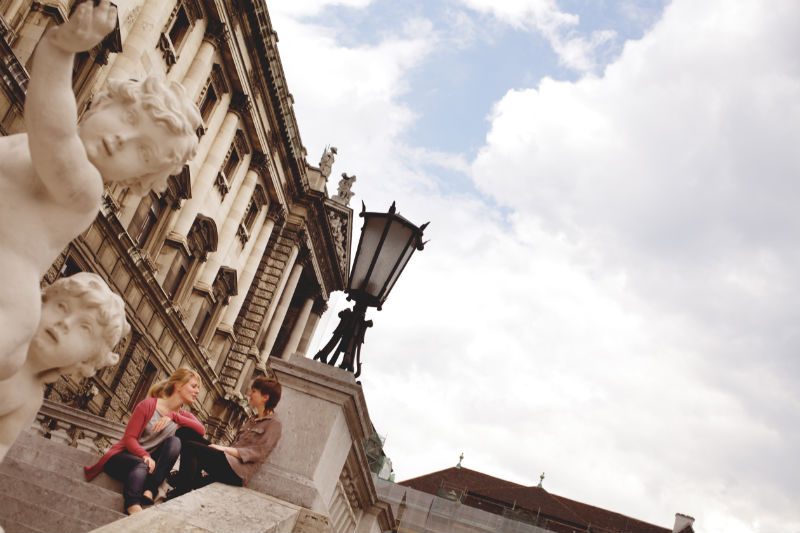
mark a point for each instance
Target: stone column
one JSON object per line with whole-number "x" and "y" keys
{"x": 308, "y": 333}
{"x": 208, "y": 173}
{"x": 203, "y": 60}
{"x": 248, "y": 273}
{"x": 143, "y": 36}
{"x": 280, "y": 311}
{"x": 12, "y": 10}
{"x": 298, "y": 329}
{"x": 227, "y": 236}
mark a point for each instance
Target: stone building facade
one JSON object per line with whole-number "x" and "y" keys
{"x": 234, "y": 262}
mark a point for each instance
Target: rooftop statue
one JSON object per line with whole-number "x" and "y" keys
{"x": 82, "y": 321}
{"x": 326, "y": 162}
{"x": 343, "y": 194}
{"x": 136, "y": 134}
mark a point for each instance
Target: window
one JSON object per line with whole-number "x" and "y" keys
{"x": 145, "y": 218}
{"x": 203, "y": 318}
{"x": 69, "y": 268}
{"x": 177, "y": 271}
{"x": 208, "y": 103}
{"x": 143, "y": 385}
{"x": 231, "y": 164}
{"x": 179, "y": 29}
{"x": 250, "y": 215}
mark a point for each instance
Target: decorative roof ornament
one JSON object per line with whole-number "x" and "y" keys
{"x": 541, "y": 479}
{"x": 460, "y": 458}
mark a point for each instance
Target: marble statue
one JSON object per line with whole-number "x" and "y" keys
{"x": 343, "y": 195}
{"x": 52, "y": 177}
{"x": 326, "y": 162}
{"x": 82, "y": 320}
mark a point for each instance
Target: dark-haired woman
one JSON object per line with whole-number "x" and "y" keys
{"x": 234, "y": 464}
{"x": 150, "y": 446}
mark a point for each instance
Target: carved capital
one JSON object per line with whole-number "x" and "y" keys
{"x": 277, "y": 213}
{"x": 241, "y": 104}
{"x": 217, "y": 33}
{"x": 320, "y": 306}
{"x": 260, "y": 164}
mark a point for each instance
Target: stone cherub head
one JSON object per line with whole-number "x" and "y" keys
{"x": 82, "y": 320}
{"x": 138, "y": 133}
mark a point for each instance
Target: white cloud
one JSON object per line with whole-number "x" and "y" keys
{"x": 627, "y": 323}
{"x": 288, "y": 8}
{"x": 574, "y": 51}
{"x": 677, "y": 168}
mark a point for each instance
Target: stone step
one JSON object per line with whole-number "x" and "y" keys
{"x": 73, "y": 511}
{"x": 15, "y": 527}
{"x": 16, "y": 511}
{"x": 30, "y": 439}
{"x": 55, "y": 457}
{"x": 49, "y": 479}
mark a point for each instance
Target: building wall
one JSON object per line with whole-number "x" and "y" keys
{"x": 234, "y": 262}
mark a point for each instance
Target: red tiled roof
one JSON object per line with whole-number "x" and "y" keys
{"x": 555, "y": 512}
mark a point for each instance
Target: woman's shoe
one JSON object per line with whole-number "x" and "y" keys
{"x": 147, "y": 500}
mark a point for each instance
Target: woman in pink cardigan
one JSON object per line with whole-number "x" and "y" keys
{"x": 149, "y": 447}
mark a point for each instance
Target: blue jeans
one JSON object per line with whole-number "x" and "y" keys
{"x": 132, "y": 471}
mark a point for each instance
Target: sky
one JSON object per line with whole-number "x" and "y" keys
{"x": 609, "y": 294}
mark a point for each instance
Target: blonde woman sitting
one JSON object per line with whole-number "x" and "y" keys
{"x": 149, "y": 448}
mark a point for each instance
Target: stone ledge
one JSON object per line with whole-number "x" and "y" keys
{"x": 218, "y": 508}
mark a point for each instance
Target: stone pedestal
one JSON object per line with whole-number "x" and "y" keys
{"x": 320, "y": 463}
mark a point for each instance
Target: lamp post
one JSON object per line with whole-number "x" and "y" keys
{"x": 386, "y": 244}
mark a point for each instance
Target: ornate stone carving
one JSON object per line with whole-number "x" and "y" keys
{"x": 338, "y": 224}
{"x": 179, "y": 188}
{"x": 202, "y": 238}
{"x": 225, "y": 285}
{"x": 241, "y": 143}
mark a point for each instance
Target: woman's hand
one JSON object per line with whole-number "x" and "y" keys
{"x": 151, "y": 464}
{"x": 233, "y": 452}
{"x": 161, "y": 424}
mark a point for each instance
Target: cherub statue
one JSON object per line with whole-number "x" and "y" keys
{"x": 136, "y": 134}
{"x": 343, "y": 195}
{"x": 326, "y": 162}
{"x": 82, "y": 320}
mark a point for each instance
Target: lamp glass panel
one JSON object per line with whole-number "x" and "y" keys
{"x": 403, "y": 262}
{"x": 370, "y": 237}
{"x": 390, "y": 254}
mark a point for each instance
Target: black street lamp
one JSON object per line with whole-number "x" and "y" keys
{"x": 387, "y": 242}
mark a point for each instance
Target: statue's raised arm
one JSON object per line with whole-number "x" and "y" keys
{"x": 51, "y": 118}
{"x": 135, "y": 134}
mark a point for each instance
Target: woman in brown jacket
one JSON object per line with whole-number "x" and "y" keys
{"x": 234, "y": 464}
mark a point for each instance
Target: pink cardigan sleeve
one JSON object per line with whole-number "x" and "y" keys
{"x": 187, "y": 419}
{"x": 136, "y": 424}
